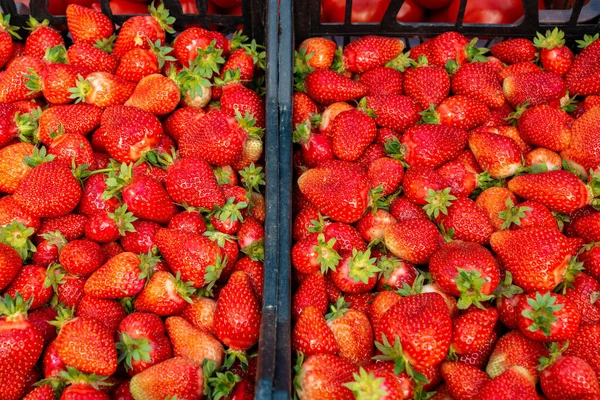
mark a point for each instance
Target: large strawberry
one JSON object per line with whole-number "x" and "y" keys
{"x": 87, "y": 25}
{"x": 478, "y": 80}
{"x": 582, "y": 152}
{"x": 582, "y": 78}
{"x": 535, "y": 87}
{"x": 322, "y": 376}
{"x": 432, "y": 145}
{"x": 546, "y": 126}
{"x": 176, "y": 376}
{"x": 352, "y": 133}
{"x": 395, "y": 112}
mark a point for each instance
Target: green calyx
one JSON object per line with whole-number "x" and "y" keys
{"x": 438, "y": 202}
{"x": 184, "y": 289}
{"x": 65, "y": 314}
{"x": 72, "y": 375}
{"x": 593, "y": 187}
{"x": 402, "y": 61}
{"x": 506, "y": 288}
{"x": 416, "y": 287}
{"x": 106, "y": 44}
{"x": 573, "y": 269}
{"x": 474, "y": 53}
{"x": 552, "y": 39}
{"x": 14, "y": 307}
{"x": 133, "y": 349}
{"x": 362, "y": 106}
{"x": 297, "y": 383}
{"x": 5, "y": 25}
{"x": 256, "y": 250}
{"x": 252, "y": 178}
{"x": 55, "y": 275}
{"x": 123, "y": 219}
{"x": 512, "y": 214}
{"x": 248, "y": 123}
{"x": 161, "y": 14}
{"x": 224, "y": 175}
{"x": 366, "y": 386}
{"x": 395, "y": 353}
{"x": 28, "y": 127}
{"x": 339, "y": 65}
{"x": 117, "y": 180}
{"x": 257, "y": 52}
{"x": 362, "y": 267}
{"x": 56, "y": 55}
{"x": 148, "y": 263}
{"x": 387, "y": 265}
{"x": 16, "y": 235}
{"x": 430, "y": 116}
{"x": 33, "y": 82}
{"x": 231, "y": 356}
{"x": 230, "y": 211}
{"x": 213, "y": 272}
{"x": 327, "y": 256}
{"x": 303, "y": 133}
{"x": 301, "y": 67}
{"x": 208, "y": 62}
{"x": 317, "y": 225}
{"x": 33, "y": 23}
{"x": 513, "y": 117}
{"x": 554, "y": 351}
{"x": 338, "y": 309}
{"x": 394, "y": 149}
{"x": 219, "y": 238}
{"x": 238, "y": 40}
{"x": 542, "y": 313}
{"x": 470, "y": 283}
{"x": 222, "y": 384}
{"x": 82, "y": 88}
{"x": 587, "y": 40}
{"x": 161, "y": 52}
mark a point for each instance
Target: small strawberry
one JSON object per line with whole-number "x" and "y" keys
{"x": 463, "y": 381}
{"x": 327, "y": 87}
{"x": 164, "y": 295}
{"x": 554, "y": 55}
{"x": 87, "y": 25}
{"x": 368, "y": 52}
{"x": 311, "y": 335}
{"x": 432, "y": 145}
{"x": 352, "y": 132}
{"x": 196, "y": 41}
{"x": 426, "y": 84}
{"x": 317, "y": 53}
{"x": 550, "y": 159}
{"x": 352, "y": 332}
{"x": 156, "y": 94}
{"x": 513, "y": 51}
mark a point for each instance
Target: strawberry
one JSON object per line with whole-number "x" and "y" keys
{"x": 478, "y": 81}
{"x": 156, "y": 94}
{"x": 513, "y": 384}
{"x": 44, "y": 392}
{"x": 582, "y": 346}
{"x": 426, "y": 84}
{"x": 543, "y": 156}
{"x": 188, "y": 221}
{"x": 22, "y": 346}
{"x": 379, "y": 383}
{"x": 386, "y": 173}
{"x": 30, "y": 282}
{"x": 14, "y": 77}
{"x": 399, "y": 323}
{"x": 108, "y": 312}
{"x": 176, "y": 376}
{"x": 55, "y": 82}
{"x": 467, "y": 270}
{"x": 566, "y": 376}
{"x": 547, "y": 317}
{"x": 194, "y": 41}
{"x": 10, "y": 264}
{"x": 72, "y": 149}
{"x": 536, "y": 257}
{"x": 325, "y": 119}
{"x": 312, "y": 291}
{"x": 201, "y": 313}
{"x": 246, "y": 60}
{"x": 68, "y": 288}
{"x": 463, "y": 381}
{"x": 322, "y": 376}
{"x": 129, "y": 131}
{"x": 102, "y": 89}
{"x": 303, "y": 108}
{"x": 192, "y": 343}
{"x": 164, "y": 295}
{"x": 582, "y": 78}
{"x": 517, "y": 69}
{"x": 12, "y": 166}
{"x": 71, "y": 226}
{"x": 316, "y": 148}
{"x": 467, "y": 221}
{"x": 527, "y": 214}
{"x": 318, "y": 53}
{"x": 582, "y": 153}
{"x": 311, "y": 335}
{"x": 452, "y": 46}
{"x": 587, "y": 227}
{"x": 480, "y": 358}
{"x": 514, "y": 349}
{"x": 139, "y": 63}
{"x": 352, "y": 332}
{"x": 373, "y": 225}
{"x": 368, "y": 52}
{"x": 581, "y": 291}
{"x": 138, "y": 31}
{"x": 122, "y": 276}
{"x": 459, "y": 111}
{"x": 537, "y": 87}
{"x": 546, "y": 126}
{"x": 327, "y": 87}
{"x": 237, "y": 99}
{"x": 87, "y": 25}
{"x": 414, "y": 240}
{"x": 87, "y": 344}
{"x": 382, "y": 81}
{"x": 197, "y": 258}
{"x": 76, "y": 118}
{"x": 238, "y": 314}
{"x": 554, "y": 55}
{"x": 41, "y": 38}
{"x": 142, "y": 240}
{"x": 394, "y": 112}
{"x": 352, "y": 190}
{"x": 347, "y": 145}
{"x": 91, "y": 58}
{"x": 513, "y": 51}
{"x": 41, "y": 318}
{"x": 7, "y": 47}
{"x": 192, "y": 181}
{"x": 432, "y": 145}
{"x": 180, "y": 121}
{"x": 558, "y": 190}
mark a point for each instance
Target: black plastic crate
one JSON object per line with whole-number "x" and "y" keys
{"x": 260, "y": 21}
{"x": 301, "y": 19}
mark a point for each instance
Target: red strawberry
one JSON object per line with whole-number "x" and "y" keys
{"x": 75, "y": 118}
{"x": 44, "y": 392}
{"x": 514, "y": 349}
{"x": 480, "y": 358}
{"x": 426, "y": 84}
{"x": 176, "y": 376}
{"x": 368, "y": 52}
{"x": 311, "y": 292}
{"x": 581, "y": 291}
{"x": 142, "y": 240}
{"x": 7, "y": 48}
{"x": 463, "y": 381}
{"x": 12, "y": 165}
{"x": 30, "y": 282}
{"x": 461, "y": 112}
{"x": 542, "y": 187}
{"x": 547, "y": 317}
{"x": 87, "y": 25}
{"x": 195, "y": 39}
{"x": 71, "y": 226}
{"x": 467, "y": 270}
{"x": 102, "y": 89}
{"x": 373, "y": 225}
{"x": 41, "y": 38}
{"x": 201, "y": 313}
{"x": 192, "y": 343}
{"x": 14, "y": 77}
{"x": 478, "y": 81}
{"x": 582, "y": 153}
{"x": 303, "y": 108}
{"x": 352, "y": 332}
{"x": 517, "y": 69}
{"x": 10, "y": 264}
{"x": 180, "y": 121}
{"x": 237, "y": 99}
{"x": 452, "y": 46}
{"x": 582, "y": 78}
{"x": 514, "y": 384}
{"x": 418, "y": 181}
{"x": 386, "y": 173}
{"x": 394, "y": 112}
{"x": 527, "y": 214}
{"x": 433, "y": 145}
{"x": 346, "y": 236}
{"x": 108, "y": 312}
{"x": 582, "y": 345}
{"x": 376, "y": 382}
{"x": 382, "y": 81}
{"x": 546, "y": 126}
{"x": 327, "y": 87}
{"x": 513, "y": 51}
{"x": 91, "y": 58}
{"x": 586, "y": 227}
{"x": 156, "y": 94}
{"x": 322, "y": 376}
{"x": 238, "y": 314}
{"x": 537, "y": 87}
{"x": 567, "y": 376}
{"x": 192, "y": 181}
{"x": 554, "y": 55}
{"x": 347, "y": 145}
{"x": 164, "y": 295}
{"x": 414, "y": 240}
{"x": 316, "y": 148}
{"x": 319, "y": 52}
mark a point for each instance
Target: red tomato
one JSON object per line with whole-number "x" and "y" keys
{"x": 410, "y": 12}
{"x": 489, "y": 11}
{"x": 362, "y": 10}
{"x": 432, "y": 4}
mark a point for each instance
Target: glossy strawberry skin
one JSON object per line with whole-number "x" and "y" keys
{"x": 326, "y": 87}
{"x": 433, "y": 145}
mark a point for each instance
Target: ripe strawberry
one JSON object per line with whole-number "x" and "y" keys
{"x": 517, "y": 69}
{"x": 87, "y": 344}
{"x": 344, "y": 197}
{"x": 14, "y": 77}
{"x": 10, "y": 264}
{"x": 542, "y": 187}
{"x": 41, "y": 319}
{"x": 386, "y": 173}
{"x": 188, "y": 221}
{"x": 139, "y": 31}
{"x": 394, "y": 112}
{"x": 21, "y": 346}
{"x": 102, "y": 89}
{"x": 547, "y": 317}
{"x": 192, "y": 343}
{"x": 316, "y": 148}
{"x": 352, "y": 132}
{"x": 72, "y": 149}
{"x": 303, "y": 108}
{"x": 156, "y": 94}
{"x": 12, "y": 167}
{"x": 478, "y": 81}
{"x": 122, "y": 276}
{"x": 164, "y": 295}
{"x": 7, "y": 32}
{"x": 311, "y": 335}
{"x": 382, "y": 81}
{"x": 527, "y": 214}
{"x": 543, "y": 156}
{"x": 191, "y": 180}
{"x": 376, "y": 382}
{"x": 514, "y": 349}
{"x": 554, "y": 55}
{"x": 237, "y": 99}
{"x": 566, "y": 376}
{"x": 587, "y": 227}
{"x": 322, "y": 376}
{"x": 537, "y": 87}
{"x": 182, "y": 120}
{"x": 467, "y": 270}
{"x": 255, "y": 270}
{"x": 76, "y": 118}
{"x": 68, "y": 288}
{"x": 433, "y": 145}
{"x": 451, "y": 46}
{"x": 460, "y": 112}
{"x": 246, "y": 60}
{"x": 91, "y": 58}
{"x": 582, "y": 78}
{"x": 237, "y": 302}
{"x": 399, "y": 322}
{"x": 426, "y": 84}
{"x": 318, "y": 53}
{"x": 582, "y": 153}
{"x": 30, "y": 283}
{"x": 41, "y": 38}
{"x": 71, "y": 226}
{"x": 513, "y": 51}
{"x": 44, "y": 392}
{"x": 108, "y": 312}
{"x": 312, "y": 292}
{"x": 129, "y": 131}
{"x": 55, "y": 82}
{"x": 327, "y": 87}
{"x": 139, "y": 63}
{"x": 581, "y": 291}
{"x": 480, "y": 358}
{"x": 196, "y": 257}
{"x": 201, "y": 313}
{"x": 513, "y": 384}
{"x": 176, "y": 376}
{"x": 463, "y": 381}
{"x": 192, "y": 40}
{"x": 546, "y": 126}
{"x": 87, "y": 25}
{"x": 582, "y": 345}
{"x": 325, "y": 120}
{"x": 368, "y": 52}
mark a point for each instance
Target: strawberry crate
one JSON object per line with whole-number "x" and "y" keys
{"x": 307, "y": 20}
{"x": 259, "y": 21}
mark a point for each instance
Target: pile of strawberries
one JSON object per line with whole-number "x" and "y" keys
{"x": 445, "y": 233}
{"x": 131, "y": 216}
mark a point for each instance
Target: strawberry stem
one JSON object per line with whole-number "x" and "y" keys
{"x": 362, "y": 267}
{"x": 438, "y": 202}
{"x": 13, "y": 308}
{"x": 512, "y": 214}
{"x": 133, "y": 349}
{"x": 395, "y": 353}
{"x": 366, "y": 386}
{"x": 469, "y": 283}
{"x": 338, "y": 309}
{"x": 542, "y": 313}
{"x": 326, "y": 254}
